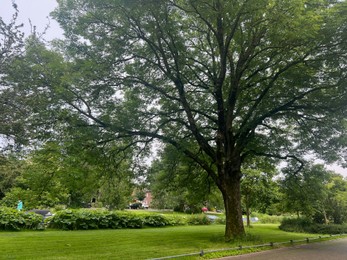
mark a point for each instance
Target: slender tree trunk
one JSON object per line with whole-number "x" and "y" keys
{"x": 232, "y": 202}
{"x": 326, "y": 220}
{"x": 248, "y": 211}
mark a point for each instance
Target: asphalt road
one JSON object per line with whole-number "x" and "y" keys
{"x": 329, "y": 250}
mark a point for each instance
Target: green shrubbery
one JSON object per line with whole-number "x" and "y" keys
{"x": 11, "y": 219}
{"x": 198, "y": 219}
{"x": 269, "y": 219}
{"x": 83, "y": 219}
{"x": 305, "y": 225}
{"x": 93, "y": 219}
{"x": 103, "y": 219}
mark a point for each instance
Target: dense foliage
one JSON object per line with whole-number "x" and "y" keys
{"x": 305, "y": 225}
{"x": 101, "y": 219}
{"x": 315, "y": 193}
{"x": 11, "y": 219}
{"x": 60, "y": 174}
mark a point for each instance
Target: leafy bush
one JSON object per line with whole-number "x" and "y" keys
{"x": 198, "y": 219}
{"x": 93, "y": 219}
{"x": 129, "y": 220}
{"x": 176, "y": 220}
{"x": 220, "y": 220}
{"x": 295, "y": 224}
{"x": 267, "y": 219}
{"x": 11, "y": 219}
{"x": 65, "y": 219}
{"x": 156, "y": 221}
{"x": 328, "y": 229}
{"x": 103, "y": 219}
{"x": 305, "y": 225}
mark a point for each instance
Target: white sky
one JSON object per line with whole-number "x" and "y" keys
{"x": 35, "y": 10}
{"x": 38, "y": 13}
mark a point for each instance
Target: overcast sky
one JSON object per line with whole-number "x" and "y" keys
{"x": 37, "y": 11}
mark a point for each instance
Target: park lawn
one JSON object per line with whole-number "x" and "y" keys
{"x": 130, "y": 243}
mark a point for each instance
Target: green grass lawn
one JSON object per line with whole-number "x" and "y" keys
{"x": 130, "y": 243}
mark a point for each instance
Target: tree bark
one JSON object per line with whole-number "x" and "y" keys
{"x": 231, "y": 191}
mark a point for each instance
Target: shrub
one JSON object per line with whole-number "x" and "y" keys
{"x": 103, "y": 219}
{"x": 65, "y": 219}
{"x": 156, "y": 221}
{"x": 295, "y": 224}
{"x": 129, "y": 220}
{"x": 267, "y": 219}
{"x": 328, "y": 229}
{"x": 11, "y": 219}
{"x": 220, "y": 219}
{"x": 305, "y": 225}
{"x": 177, "y": 220}
{"x": 93, "y": 219}
{"x": 198, "y": 219}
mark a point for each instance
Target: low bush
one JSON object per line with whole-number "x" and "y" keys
{"x": 305, "y": 225}
{"x": 295, "y": 224}
{"x": 268, "y": 219}
{"x": 12, "y": 219}
{"x": 198, "y": 219}
{"x": 86, "y": 219}
{"x": 93, "y": 219}
{"x": 220, "y": 220}
{"x": 331, "y": 229}
{"x": 102, "y": 219}
{"x": 156, "y": 221}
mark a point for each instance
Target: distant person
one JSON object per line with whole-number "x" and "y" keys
{"x": 20, "y": 205}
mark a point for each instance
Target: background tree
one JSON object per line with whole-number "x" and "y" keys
{"x": 10, "y": 169}
{"x": 305, "y": 192}
{"x": 220, "y": 81}
{"x": 258, "y": 189}
{"x": 176, "y": 182}
{"x": 11, "y": 46}
{"x": 335, "y": 205}
{"x": 70, "y": 174}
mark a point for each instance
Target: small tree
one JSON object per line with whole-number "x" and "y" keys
{"x": 257, "y": 189}
{"x": 305, "y": 191}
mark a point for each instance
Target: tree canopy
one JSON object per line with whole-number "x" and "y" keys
{"x": 221, "y": 81}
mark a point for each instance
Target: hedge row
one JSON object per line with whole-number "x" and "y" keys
{"x": 101, "y": 219}
{"x": 307, "y": 226}
{"x": 11, "y": 219}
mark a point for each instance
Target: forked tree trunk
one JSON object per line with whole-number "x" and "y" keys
{"x": 232, "y": 202}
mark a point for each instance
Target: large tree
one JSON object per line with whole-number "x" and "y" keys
{"x": 221, "y": 81}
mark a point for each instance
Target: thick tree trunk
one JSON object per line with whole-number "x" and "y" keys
{"x": 232, "y": 202}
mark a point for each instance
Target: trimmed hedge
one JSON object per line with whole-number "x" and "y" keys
{"x": 12, "y": 219}
{"x": 305, "y": 225}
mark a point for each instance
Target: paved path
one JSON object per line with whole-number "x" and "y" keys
{"x": 329, "y": 250}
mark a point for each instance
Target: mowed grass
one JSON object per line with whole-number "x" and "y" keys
{"x": 130, "y": 243}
